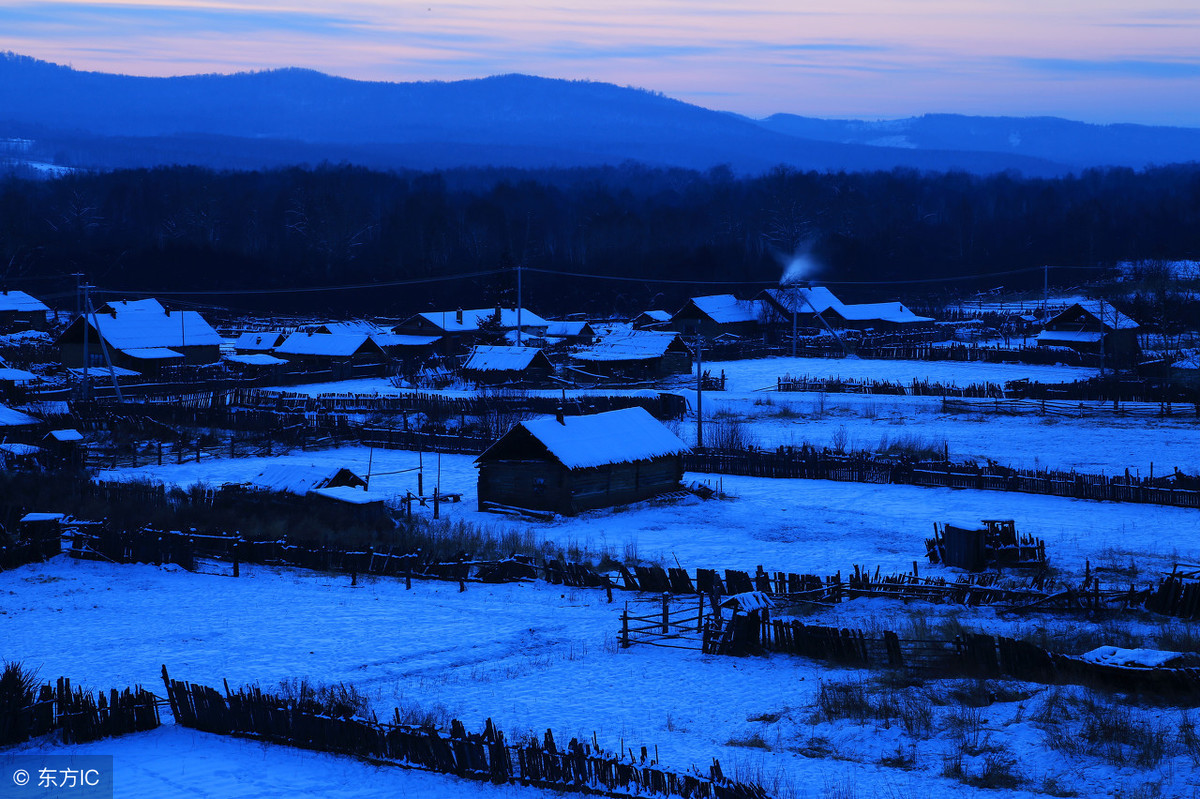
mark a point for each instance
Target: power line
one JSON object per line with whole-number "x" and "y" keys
{"x": 310, "y": 290}
{"x": 956, "y": 278}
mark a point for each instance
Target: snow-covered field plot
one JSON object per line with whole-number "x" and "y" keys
{"x": 760, "y": 374}
{"x": 1094, "y": 445}
{"x": 814, "y": 526}
{"x": 534, "y": 657}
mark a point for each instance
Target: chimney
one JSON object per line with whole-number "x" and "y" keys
{"x": 458, "y": 316}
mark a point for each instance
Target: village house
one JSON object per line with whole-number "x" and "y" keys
{"x": 1095, "y": 328}
{"x": 634, "y": 354}
{"x": 569, "y": 333}
{"x": 495, "y": 365}
{"x": 343, "y": 353}
{"x": 257, "y": 342}
{"x": 460, "y": 330}
{"x": 721, "y": 314}
{"x": 139, "y": 335}
{"x": 19, "y": 311}
{"x": 570, "y": 464}
{"x": 817, "y": 306}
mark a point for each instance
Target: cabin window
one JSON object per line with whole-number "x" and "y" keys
{"x": 539, "y": 485}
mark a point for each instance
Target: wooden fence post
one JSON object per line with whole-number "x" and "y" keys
{"x": 625, "y": 627}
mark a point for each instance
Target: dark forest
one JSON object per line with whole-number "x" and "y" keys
{"x": 183, "y": 229}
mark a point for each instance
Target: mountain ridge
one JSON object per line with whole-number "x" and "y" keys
{"x": 102, "y": 120}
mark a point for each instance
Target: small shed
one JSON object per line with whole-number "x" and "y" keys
{"x": 494, "y": 365}
{"x": 571, "y": 464}
{"x": 570, "y": 332}
{"x": 301, "y": 479}
{"x": 652, "y": 320}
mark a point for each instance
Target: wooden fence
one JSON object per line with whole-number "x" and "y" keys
{"x": 79, "y": 717}
{"x": 917, "y": 388}
{"x": 809, "y": 463}
{"x": 26, "y": 551}
{"x": 94, "y": 542}
{"x": 704, "y": 626}
{"x": 578, "y": 767}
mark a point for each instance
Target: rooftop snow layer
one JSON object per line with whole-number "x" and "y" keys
{"x": 624, "y": 436}
{"x": 726, "y": 309}
{"x": 331, "y": 344}
{"x": 448, "y": 320}
{"x": 20, "y": 302}
{"x": 11, "y": 417}
{"x": 633, "y": 345}
{"x": 501, "y": 359}
{"x": 144, "y": 324}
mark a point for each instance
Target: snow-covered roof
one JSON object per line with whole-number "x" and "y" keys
{"x": 894, "y": 312}
{"x": 332, "y": 344}
{"x": 355, "y": 326}
{"x": 1072, "y": 336}
{"x": 599, "y": 439}
{"x": 448, "y": 320}
{"x": 144, "y": 324}
{"x": 349, "y": 494}
{"x": 255, "y": 359}
{"x": 726, "y": 309}
{"x": 66, "y": 435}
{"x": 20, "y": 302}
{"x": 153, "y": 353}
{"x": 256, "y": 341}
{"x": 43, "y": 517}
{"x": 566, "y": 329}
{"x": 11, "y": 417}
{"x": 654, "y": 316}
{"x": 402, "y": 340}
{"x": 805, "y": 299}
{"x": 17, "y": 376}
{"x": 298, "y": 478}
{"x": 103, "y": 372}
{"x": 502, "y": 359}
{"x": 20, "y": 449}
{"x": 631, "y": 345}
{"x": 1108, "y": 315}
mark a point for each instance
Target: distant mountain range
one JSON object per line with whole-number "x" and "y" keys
{"x": 51, "y": 114}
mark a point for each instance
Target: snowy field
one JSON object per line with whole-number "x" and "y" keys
{"x": 813, "y": 526}
{"x": 535, "y": 656}
{"x": 529, "y": 656}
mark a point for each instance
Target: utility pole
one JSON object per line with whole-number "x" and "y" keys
{"x": 699, "y": 390}
{"x": 519, "y": 305}
{"x": 1045, "y": 290}
{"x": 1101, "y": 337}
{"x": 86, "y": 333}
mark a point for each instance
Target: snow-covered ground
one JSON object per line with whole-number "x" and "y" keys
{"x": 529, "y": 656}
{"x": 535, "y": 656}
{"x": 812, "y": 526}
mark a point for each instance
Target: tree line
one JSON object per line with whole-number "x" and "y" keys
{"x": 187, "y": 228}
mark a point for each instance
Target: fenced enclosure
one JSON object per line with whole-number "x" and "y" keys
{"x": 578, "y": 767}
{"x": 716, "y": 628}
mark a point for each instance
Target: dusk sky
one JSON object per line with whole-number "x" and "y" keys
{"x": 1091, "y": 60}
